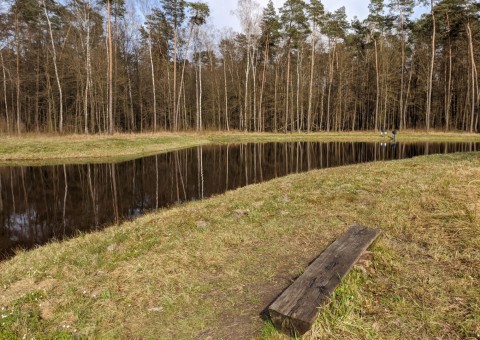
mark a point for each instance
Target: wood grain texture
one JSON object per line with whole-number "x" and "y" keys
{"x": 295, "y": 310}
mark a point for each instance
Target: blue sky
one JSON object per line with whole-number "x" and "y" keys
{"x": 221, "y": 16}
{"x": 220, "y": 10}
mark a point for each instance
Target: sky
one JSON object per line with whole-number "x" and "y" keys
{"x": 221, "y": 16}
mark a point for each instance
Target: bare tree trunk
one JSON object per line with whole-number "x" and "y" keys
{"x": 291, "y": 99}
{"x": 197, "y": 103}
{"x": 94, "y": 113}
{"x": 322, "y": 105}
{"x": 198, "y": 90}
{"x": 88, "y": 67}
{"x": 114, "y": 58}
{"x": 184, "y": 126}
{"x": 226, "y": 93}
{"x": 85, "y": 103}
{"x": 60, "y": 123}
{"x": 377, "y": 75}
{"x": 275, "y": 128}
{"x": 110, "y": 71}
{"x": 262, "y": 87}
{"x": 448, "y": 101}
{"x": 310, "y": 88}
{"x": 239, "y": 92}
{"x": 298, "y": 108}
{"x": 177, "y": 110}
{"x": 50, "y": 122}
{"x": 37, "y": 94}
{"x": 152, "y": 68}
{"x": 407, "y": 94}
{"x": 175, "y": 119}
{"x": 254, "y": 75}
{"x": 473, "y": 75}
{"x": 217, "y": 86}
{"x": 430, "y": 77}
{"x": 169, "y": 100}
{"x": 385, "y": 101}
{"x": 247, "y": 71}
{"x": 330, "y": 82}
{"x": 200, "y": 93}
{"x": 402, "y": 72}
{"x": 130, "y": 97}
{"x": 338, "y": 102}
{"x": 17, "y": 38}
{"x": 7, "y": 121}
{"x": 287, "y": 90}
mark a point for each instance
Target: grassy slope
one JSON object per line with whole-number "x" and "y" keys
{"x": 40, "y": 149}
{"x": 208, "y": 268}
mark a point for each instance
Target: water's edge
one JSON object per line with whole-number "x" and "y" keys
{"x": 38, "y": 204}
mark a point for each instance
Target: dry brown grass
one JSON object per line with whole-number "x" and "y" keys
{"x": 40, "y": 149}
{"x": 167, "y": 275}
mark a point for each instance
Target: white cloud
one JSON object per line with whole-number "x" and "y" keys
{"x": 221, "y": 10}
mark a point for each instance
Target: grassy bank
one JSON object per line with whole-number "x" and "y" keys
{"x": 208, "y": 268}
{"x": 41, "y": 149}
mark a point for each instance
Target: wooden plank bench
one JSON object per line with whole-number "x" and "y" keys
{"x": 296, "y": 309}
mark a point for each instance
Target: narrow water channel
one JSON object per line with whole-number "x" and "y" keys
{"x": 38, "y": 204}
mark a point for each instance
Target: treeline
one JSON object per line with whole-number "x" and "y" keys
{"x": 99, "y": 66}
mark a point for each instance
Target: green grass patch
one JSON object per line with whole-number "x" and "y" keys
{"x": 24, "y": 320}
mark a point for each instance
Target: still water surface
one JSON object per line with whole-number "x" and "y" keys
{"x": 38, "y": 204}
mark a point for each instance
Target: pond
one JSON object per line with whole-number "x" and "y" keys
{"x": 38, "y": 204}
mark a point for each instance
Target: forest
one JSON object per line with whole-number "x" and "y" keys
{"x": 105, "y": 66}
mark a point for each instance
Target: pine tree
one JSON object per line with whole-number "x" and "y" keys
{"x": 335, "y": 29}
{"x": 316, "y": 12}
{"x": 295, "y": 30}
{"x": 174, "y": 11}
{"x": 269, "y": 42}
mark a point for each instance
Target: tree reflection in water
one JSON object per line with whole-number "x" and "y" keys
{"x": 38, "y": 204}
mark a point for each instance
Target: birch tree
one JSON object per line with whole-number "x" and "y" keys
{"x": 174, "y": 11}
{"x": 270, "y": 38}
{"x": 295, "y": 27}
{"x": 248, "y": 12}
{"x": 428, "y": 109}
{"x": 316, "y": 13}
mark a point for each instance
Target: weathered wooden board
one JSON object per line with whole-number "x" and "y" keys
{"x": 295, "y": 310}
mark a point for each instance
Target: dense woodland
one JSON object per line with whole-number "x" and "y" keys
{"x": 104, "y": 66}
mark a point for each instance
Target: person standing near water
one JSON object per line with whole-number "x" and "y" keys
{"x": 394, "y": 135}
